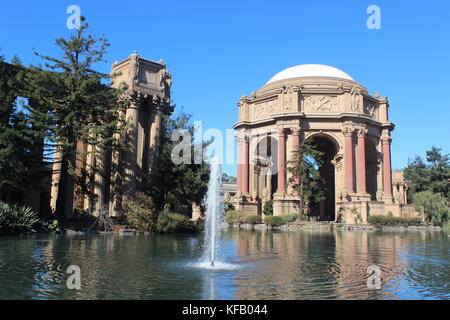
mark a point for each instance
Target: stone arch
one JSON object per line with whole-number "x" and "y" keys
{"x": 372, "y": 167}
{"x": 328, "y": 135}
{"x": 326, "y": 210}
{"x": 265, "y": 157}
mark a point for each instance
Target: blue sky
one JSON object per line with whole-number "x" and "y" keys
{"x": 219, "y": 50}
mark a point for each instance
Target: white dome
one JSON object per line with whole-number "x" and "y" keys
{"x": 310, "y": 70}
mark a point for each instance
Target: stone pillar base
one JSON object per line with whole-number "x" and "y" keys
{"x": 284, "y": 204}
{"x": 360, "y": 197}
{"x": 387, "y": 199}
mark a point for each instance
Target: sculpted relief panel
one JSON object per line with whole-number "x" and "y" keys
{"x": 264, "y": 109}
{"x": 371, "y": 109}
{"x": 148, "y": 76}
{"x": 320, "y": 103}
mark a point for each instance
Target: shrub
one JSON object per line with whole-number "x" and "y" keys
{"x": 52, "y": 226}
{"x": 268, "y": 208}
{"x": 173, "y": 222}
{"x": 432, "y": 206}
{"x": 290, "y": 217}
{"x": 394, "y": 221}
{"x": 234, "y": 216}
{"x": 228, "y": 206}
{"x": 140, "y": 214}
{"x": 16, "y": 218}
{"x": 446, "y": 227}
{"x": 273, "y": 220}
{"x": 253, "y": 219}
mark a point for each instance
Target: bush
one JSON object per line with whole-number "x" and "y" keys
{"x": 173, "y": 222}
{"x": 432, "y": 206}
{"x": 394, "y": 221}
{"x": 228, "y": 206}
{"x": 253, "y": 219}
{"x": 16, "y": 219}
{"x": 234, "y": 216}
{"x": 446, "y": 226}
{"x": 290, "y": 217}
{"x": 273, "y": 220}
{"x": 52, "y": 226}
{"x": 268, "y": 208}
{"x": 140, "y": 214}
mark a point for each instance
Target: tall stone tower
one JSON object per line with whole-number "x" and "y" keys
{"x": 119, "y": 176}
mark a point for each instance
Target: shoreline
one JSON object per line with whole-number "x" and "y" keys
{"x": 328, "y": 226}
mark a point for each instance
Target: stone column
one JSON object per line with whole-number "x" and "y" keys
{"x": 239, "y": 161}
{"x": 387, "y": 172}
{"x": 348, "y": 159}
{"x": 295, "y": 146}
{"x": 361, "y": 161}
{"x": 245, "y": 166}
{"x": 281, "y": 162}
{"x": 131, "y": 155}
{"x": 155, "y": 133}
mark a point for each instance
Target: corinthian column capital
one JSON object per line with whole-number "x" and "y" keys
{"x": 386, "y": 139}
{"x": 362, "y": 132}
{"x": 348, "y": 131}
{"x": 296, "y": 131}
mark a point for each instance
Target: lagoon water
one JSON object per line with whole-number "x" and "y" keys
{"x": 254, "y": 265}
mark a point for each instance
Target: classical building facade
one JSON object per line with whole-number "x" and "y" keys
{"x": 118, "y": 176}
{"x": 328, "y": 107}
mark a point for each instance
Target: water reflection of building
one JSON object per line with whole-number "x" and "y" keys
{"x": 318, "y": 264}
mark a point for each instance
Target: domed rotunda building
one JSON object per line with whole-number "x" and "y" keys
{"x": 327, "y": 107}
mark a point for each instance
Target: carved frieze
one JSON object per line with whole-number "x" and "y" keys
{"x": 321, "y": 103}
{"x": 264, "y": 109}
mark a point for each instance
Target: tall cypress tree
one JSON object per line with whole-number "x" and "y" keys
{"x": 306, "y": 164}
{"x": 80, "y": 105}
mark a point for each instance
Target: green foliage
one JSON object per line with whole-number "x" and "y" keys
{"x": 76, "y": 100}
{"x": 446, "y": 226}
{"x": 431, "y": 176}
{"x": 306, "y": 163}
{"x": 234, "y": 216}
{"x": 16, "y": 219}
{"x": 273, "y": 220}
{"x": 52, "y": 226}
{"x": 174, "y": 187}
{"x": 290, "y": 217}
{"x": 253, "y": 219}
{"x": 140, "y": 213}
{"x": 228, "y": 206}
{"x": 432, "y": 206}
{"x": 21, "y": 136}
{"x": 394, "y": 221}
{"x": 173, "y": 222}
{"x": 268, "y": 208}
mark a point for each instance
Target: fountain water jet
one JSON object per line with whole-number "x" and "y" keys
{"x": 214, "y": 212}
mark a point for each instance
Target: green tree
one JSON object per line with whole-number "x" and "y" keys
{"x": 83, "y": 107}
{"x": 433, "y": 207}
{"x": 306, "y": 164}
{"x": 20, "y": 162}
{"x": 174, "y": 187}
{"x": 431, "y": 176}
